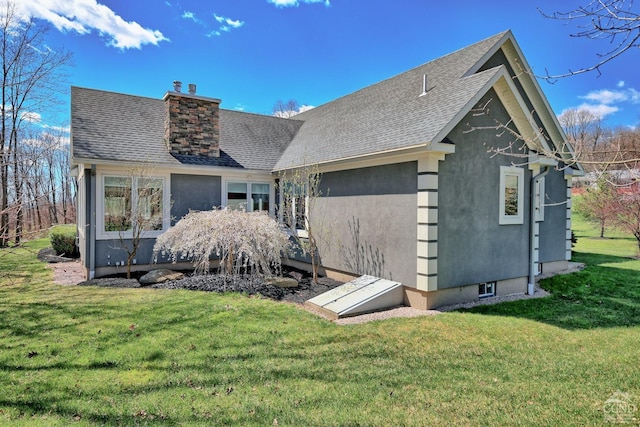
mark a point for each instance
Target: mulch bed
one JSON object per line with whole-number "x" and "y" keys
{"x": 252, "y": 285}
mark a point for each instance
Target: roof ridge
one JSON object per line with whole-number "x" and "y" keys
{"x": 112, "y": 92}
{"x": 497, "y": 37}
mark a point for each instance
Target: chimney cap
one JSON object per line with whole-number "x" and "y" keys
{"x": 192, "y": 88}
{"x": 177, "y": 85}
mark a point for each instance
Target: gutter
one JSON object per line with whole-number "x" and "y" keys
{"x": 532, "y": 229}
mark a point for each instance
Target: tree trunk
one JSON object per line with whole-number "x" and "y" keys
{"x": 4, "y": 203}
{"x": 17, "y": 183}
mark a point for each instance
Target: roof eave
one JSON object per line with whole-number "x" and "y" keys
{"x": 177, "y": 165}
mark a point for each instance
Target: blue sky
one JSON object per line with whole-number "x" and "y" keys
{"x": 251, "y": 53}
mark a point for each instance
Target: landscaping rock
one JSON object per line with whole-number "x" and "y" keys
{"x": 282, "y": 282}
{"x": 49, "y": 255}
{"x": 114, "y": 282}
{"x": 160, "y": 276}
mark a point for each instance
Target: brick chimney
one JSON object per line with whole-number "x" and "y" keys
{"x": 191, "y": 123}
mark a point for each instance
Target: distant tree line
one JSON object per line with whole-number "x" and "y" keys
{"x": 609, "y": 193}
{"x": 36, "y": 189}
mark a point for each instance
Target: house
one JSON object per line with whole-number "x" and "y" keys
{"x": 439, "y": 178}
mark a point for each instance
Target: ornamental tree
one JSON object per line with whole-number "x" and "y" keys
{"x": 249, "y": 241}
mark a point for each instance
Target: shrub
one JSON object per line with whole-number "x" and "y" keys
{"x": 240, "y": 240}
{"x": 63, "y": 240}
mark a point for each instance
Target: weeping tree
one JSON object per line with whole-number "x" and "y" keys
{"x": 241, "y": 241}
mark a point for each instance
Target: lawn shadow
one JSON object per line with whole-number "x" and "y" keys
{"x": 600, "y": 296}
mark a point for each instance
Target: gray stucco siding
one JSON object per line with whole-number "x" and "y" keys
{"x": 108, "y": 252}
{"x": 369, "y": 221}
{"x": 194, "y": 192}
{"x": 553, "y": 228}
{"x": 472, "y": 246}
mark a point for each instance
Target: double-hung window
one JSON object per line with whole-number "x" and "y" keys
{"x": 511, "y": 195}
{"x": 250, "y": 196}
{"x": 130, "y": 203}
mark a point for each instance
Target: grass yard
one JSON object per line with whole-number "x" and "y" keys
{"x": 85, "y": 356}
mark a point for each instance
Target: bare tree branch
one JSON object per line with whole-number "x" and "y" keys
{"x": 614, "y": 21}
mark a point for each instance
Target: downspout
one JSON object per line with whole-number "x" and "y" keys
{"x": 92, "y": 223}
{"x": 532, "y": 230}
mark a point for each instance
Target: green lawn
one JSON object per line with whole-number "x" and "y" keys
{"x": 85, "y": 356}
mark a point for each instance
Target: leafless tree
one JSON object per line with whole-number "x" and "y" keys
{"x": 286, "y": 109}
{"x": 134, "y": 205}
{"x": 31, "y": 75}
{"x": 614, "y": 21}
{"x": 627, "y": 218}
{"x": 612, "y": 152}
{"x": 299, "y": 190}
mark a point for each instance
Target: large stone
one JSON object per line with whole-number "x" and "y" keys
{"x": 282, "y": 282}
{"x": 160, "y": 276}
{"x": 49, "y": 255}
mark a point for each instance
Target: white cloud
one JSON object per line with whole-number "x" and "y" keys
{"x": 62, "y": 129}
{"x": 605, "y": 96}
{"x": 606, "y": 102}
{"x": 190, "y": 15}
{"x": 228, "y": 24}
{"x": 598, "y": 110}
{"x": 84, "y": 16}
{"x": 291, "y": 3}
{"x": 31, "y": 117}
{"x": 48, "y": 141}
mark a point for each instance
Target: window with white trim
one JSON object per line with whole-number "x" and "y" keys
{"x": 129, "y": 202}
{"x": 511, "y": 195}
{"x": 250, "y": 196}
{"x": 294, "y": 202}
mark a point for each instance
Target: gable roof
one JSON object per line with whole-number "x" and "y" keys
{"x": 390, "y": 116}
{"x": 113, "y": 127}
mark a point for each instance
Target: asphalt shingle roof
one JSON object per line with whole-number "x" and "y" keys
{"x": 108, "y": 126}
{"x": 386, "y": 116}
{"x": 390, "y": 115}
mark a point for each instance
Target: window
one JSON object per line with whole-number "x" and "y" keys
{"x": 511, "y": 195}
{"x": 251, "y": 196}
{"x": 149, "y": 204}
{"x": 486, "y": 290}
{"x": 260, "y": 197}
{"x": 292, "y": 211}
{"x": 117, "y": 203}
{"x": 237, "y": 195}
{"x": 132, "y": 201}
